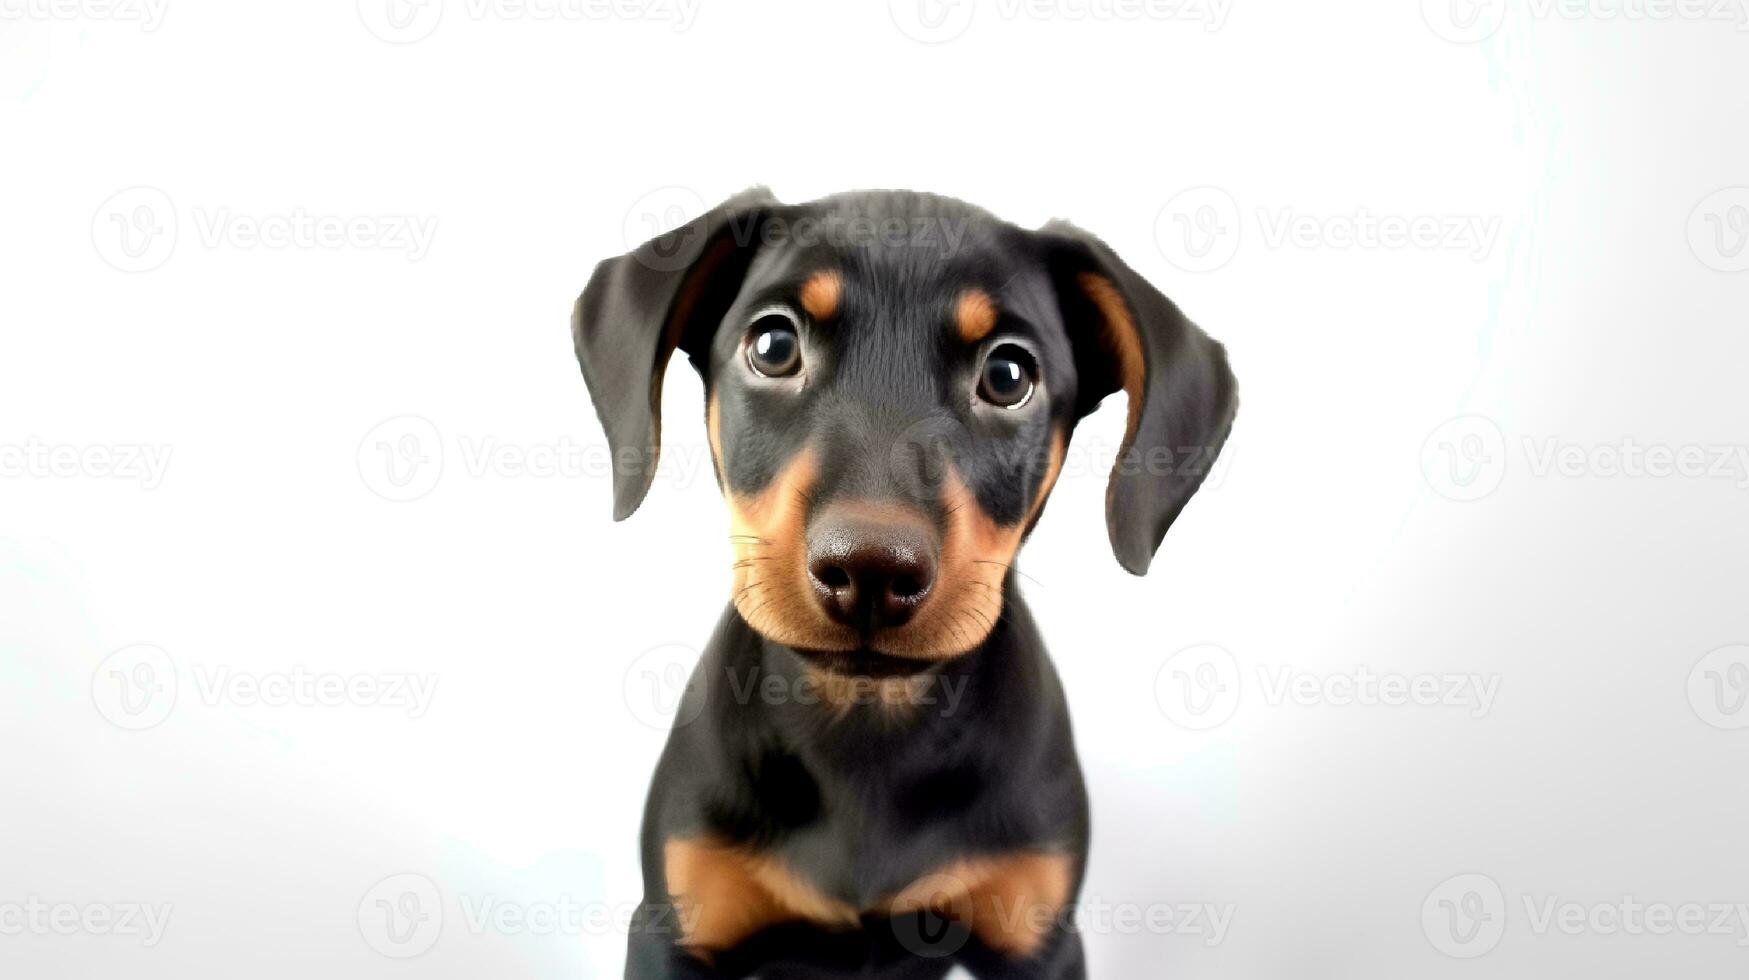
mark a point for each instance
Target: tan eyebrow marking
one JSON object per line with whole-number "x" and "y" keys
{"x": 820, "y": 294}
{"x": 974, "y": 316}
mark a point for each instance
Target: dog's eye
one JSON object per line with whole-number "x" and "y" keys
{"x": 1008, "y": 377}
{"x": 773, "y": 349}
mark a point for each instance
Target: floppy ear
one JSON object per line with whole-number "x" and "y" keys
{"x": 638, "y": 308}
{"x": 1129, "y": 336}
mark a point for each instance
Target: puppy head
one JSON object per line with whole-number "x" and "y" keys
{"x": 891, "y": 381}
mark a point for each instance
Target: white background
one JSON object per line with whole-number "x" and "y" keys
{"x": 305, "y": 386}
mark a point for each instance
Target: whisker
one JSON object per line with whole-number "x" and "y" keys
{"x": 762, "y": 605}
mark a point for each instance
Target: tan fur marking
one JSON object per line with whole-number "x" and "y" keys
{"x": 821, "y": 293}
{"x": 896, "y": 697}
{"x": 1009, "y": 901}
{"x": 1124, "y": 343}
{"x": 976, "y": 553}
{"x": 767, "y": 534}
{"x": 725, "y": 894}
{"x": 974, "y": 316}
{"x": 767, "y": 531}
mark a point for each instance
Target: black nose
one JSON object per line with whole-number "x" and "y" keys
{"x": 870, "y": 569}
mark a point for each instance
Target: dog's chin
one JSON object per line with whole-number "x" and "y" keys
{"x": 864, "y": 662}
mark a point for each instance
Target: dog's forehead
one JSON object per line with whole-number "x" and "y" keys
{"x": 897, "y": 266}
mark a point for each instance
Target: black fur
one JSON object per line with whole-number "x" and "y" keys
{"x": 861, "y": 804}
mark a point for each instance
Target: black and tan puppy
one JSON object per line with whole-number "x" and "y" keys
{"x": 891, "y": 382}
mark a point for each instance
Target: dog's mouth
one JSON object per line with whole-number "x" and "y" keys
{"x": 864, "y": 662}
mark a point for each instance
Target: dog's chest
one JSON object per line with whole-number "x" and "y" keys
{"x": 726, "y": 893}
{"x": 861, "y": 855}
